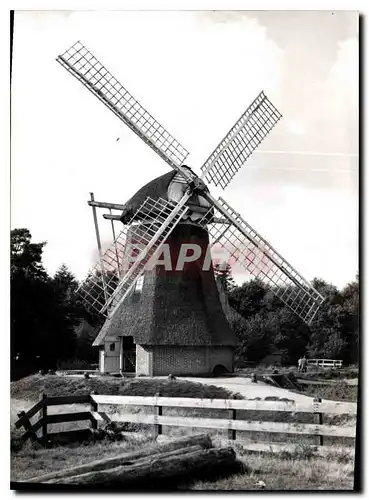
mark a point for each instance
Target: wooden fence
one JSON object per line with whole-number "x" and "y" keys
{"x": 230, "y": 423}
{"x": 326, "y": 363}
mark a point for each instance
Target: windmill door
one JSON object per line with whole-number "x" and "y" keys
{"x": 129, "y": 354}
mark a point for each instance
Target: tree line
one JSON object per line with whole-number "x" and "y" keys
{"x": 51, "y": 324}
{"x": 264, "y": 325}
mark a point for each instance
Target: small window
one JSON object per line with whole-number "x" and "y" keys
{"x": 112, "y": 346}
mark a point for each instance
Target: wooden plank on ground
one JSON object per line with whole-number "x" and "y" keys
{"x": 239, "y": 425}
{"x": 184, "y": 442}
{"x": 154, "y": 469}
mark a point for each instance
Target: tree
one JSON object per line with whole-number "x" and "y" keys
{"x": 248, "y": 298}
{"x": 223, "y": 275}
{"x": 26, "y": 257}
{"x": 41, "y": 330}
{"x": 334, "y": 346}
{"x": 267, "y": 324}
{"x": 335, "y": 329}
{"x": 65, "y": 281}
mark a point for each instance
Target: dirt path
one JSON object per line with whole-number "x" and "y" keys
{"x": 249, "y": 390}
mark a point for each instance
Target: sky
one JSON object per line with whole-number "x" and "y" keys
{"x": 196, "y": 72}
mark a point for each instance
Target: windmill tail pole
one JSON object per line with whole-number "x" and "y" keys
{"x": 92, "y": 198}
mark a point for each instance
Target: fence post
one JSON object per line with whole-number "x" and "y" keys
{"x": 318, "y": 419}
{"x": 93, "y": 408}
{"x": 158, "y": 410}
{"x": 43, "y": 415}
{"x": 232, "y": 432}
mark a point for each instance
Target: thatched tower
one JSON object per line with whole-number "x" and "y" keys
{"x": 175, "y": 317}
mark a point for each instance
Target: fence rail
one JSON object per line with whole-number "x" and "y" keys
{"x": 233, "y": 423}
{"x": 326, "y": 363}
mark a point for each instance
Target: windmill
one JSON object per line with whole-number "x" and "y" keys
{"x": 175, "y": 316}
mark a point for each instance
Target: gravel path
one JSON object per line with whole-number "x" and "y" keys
{"x": 249, "y": 390}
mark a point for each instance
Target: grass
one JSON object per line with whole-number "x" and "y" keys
{"x": 300, "y": 470}
{"x": 30, "y": 388}
{"x": 32, "y": 460}
{"x": 279, "y": 472}
{"x": 340, "y": 391}
{"x": 315, "y": 373}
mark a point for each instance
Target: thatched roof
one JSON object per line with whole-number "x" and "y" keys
{"x": 174, "y": 307}
{"x": 157, "y": 188}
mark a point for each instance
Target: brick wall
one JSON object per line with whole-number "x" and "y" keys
{"x": 179, "y": 360}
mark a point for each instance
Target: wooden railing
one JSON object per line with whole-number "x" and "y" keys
{"x": 231, "y": 423}
{"x": 326, "y": 363}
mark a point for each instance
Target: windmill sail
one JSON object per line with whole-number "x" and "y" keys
{"x": 260, "y": 259}
{"x": 243, "y": 138}
{"x": 92, "y": 74}
{"x": 124, "y": 262}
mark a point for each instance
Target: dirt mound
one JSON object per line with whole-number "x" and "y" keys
{"x": 30, "y": 388}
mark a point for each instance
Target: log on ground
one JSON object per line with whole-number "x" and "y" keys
{"x": 157, "y": 470}
{"x": 202, "y": 440}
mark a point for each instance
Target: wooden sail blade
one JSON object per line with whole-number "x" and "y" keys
{"x": 243, "y": 138}
{"x": 261, "y": 260}
{"x": 124, "y": 262}
{"x": 83, "y": 65}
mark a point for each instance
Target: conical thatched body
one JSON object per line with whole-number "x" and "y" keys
{"x": 176, "y": 319}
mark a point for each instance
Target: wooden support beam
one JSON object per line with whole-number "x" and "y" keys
{"x": 102, "y": 204}
{"x": 111, "y": 216}
{"x": 216, "y": 220}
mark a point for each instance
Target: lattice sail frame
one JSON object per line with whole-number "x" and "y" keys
{"x": 243, "y": 138}
{"x": 112, "y": 278}
{"x": 261, "y": 260}
{"x": 82, "y": 64}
